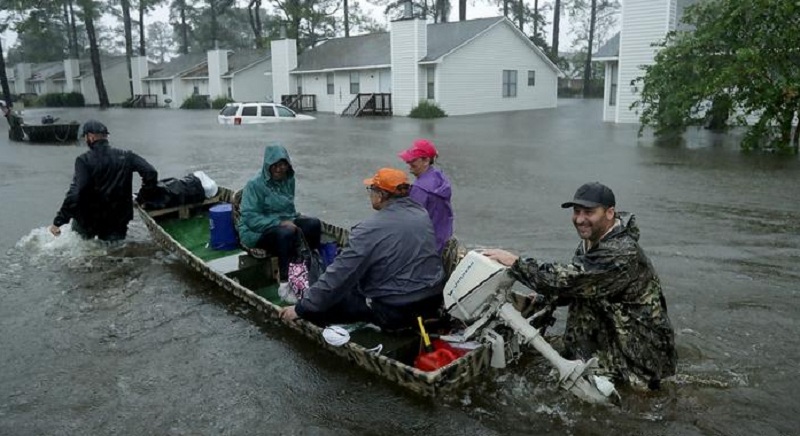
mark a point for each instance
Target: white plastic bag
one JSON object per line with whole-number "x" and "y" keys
{"x": 209, "y": 186}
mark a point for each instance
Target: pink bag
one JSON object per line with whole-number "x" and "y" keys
{"x": 298, "y": 278}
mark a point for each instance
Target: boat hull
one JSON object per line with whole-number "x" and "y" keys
{"x": 450, "y": 377}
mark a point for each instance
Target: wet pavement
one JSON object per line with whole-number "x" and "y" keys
{"x": 127, "y": 340}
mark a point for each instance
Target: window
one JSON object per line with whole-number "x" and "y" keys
{"x": 531, "y": 78}
{"x": 431, "y": 82}
{"x": 164, "y": 88}
{"x": 355, "y": 82}
{"x": 196, "y": 90}
{"x": 509, "y": 83}
{"x": 299, "y": 90}
{"x": 229, "y": 111}
{"x": 329, "y": 79}
{"x": 267, "y": 111}
{"x": 249, "y": 111}
{"x": 230, "y": 93}
{"x": 284, "y": 112}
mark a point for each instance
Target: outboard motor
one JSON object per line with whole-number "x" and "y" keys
{"x": 477, "y": 294}
{"x": 48, "y": 119}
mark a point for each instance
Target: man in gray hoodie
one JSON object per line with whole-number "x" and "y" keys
{"x": 390, "y": 272}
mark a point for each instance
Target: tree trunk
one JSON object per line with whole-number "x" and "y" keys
{"x": 346, "y": 20}
{"x": 521, "y": 15}
{"x": 214, "y": 24}
{"x": 462, "y": 10}
{"x": 505, "y": 8}
{"x": 3, "y": 78}
{"x": 73, "y": 29}
{"x": 70, "y": 43}
{"x": 184, "y": 31}
{"x": 94, "y": 51}
{"x": 259, "y": 28}
{"x": 126, "y": 22}
{"x": 252, "y": 19}
{"x": 556, "y": 27}
{"x": 587, "y": 71}
{"x": 142, "y": 49}
{"x": 536, "y": 17}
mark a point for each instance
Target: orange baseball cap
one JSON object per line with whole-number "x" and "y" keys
{"x": 388, "y": 179}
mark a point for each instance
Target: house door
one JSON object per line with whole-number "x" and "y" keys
{"x": 385, "y": 79}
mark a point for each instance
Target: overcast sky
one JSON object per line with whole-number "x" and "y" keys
{"x": 476, "y": 9}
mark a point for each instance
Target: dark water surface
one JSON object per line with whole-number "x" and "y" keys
{"x": 126, "y": 340}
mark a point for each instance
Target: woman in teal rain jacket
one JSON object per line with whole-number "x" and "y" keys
{"x": 269, "y": 219}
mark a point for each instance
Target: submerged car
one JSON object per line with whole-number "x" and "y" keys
{"x": 258, "y": 113}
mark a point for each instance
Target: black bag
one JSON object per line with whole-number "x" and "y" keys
{"x": 172, "y": 192}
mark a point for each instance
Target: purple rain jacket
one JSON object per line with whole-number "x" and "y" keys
{"x": 432, "y": 191}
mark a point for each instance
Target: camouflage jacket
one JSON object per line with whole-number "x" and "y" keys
{"x": 617, "y": 311}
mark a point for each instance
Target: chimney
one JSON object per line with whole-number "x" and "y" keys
{"x": 284, "y": 60}
{"x": 71, "y": 72}
{"x": 282, "y": 31}
{"x": 217, "y": 66}
{"x": 409, "y": 45}
{"x": 140, "y": 69}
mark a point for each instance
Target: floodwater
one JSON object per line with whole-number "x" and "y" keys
{"x": 126, "y": 340}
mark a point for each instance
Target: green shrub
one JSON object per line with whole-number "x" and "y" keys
{"x": 55, "y": 99}
{"x": 220, "y": 102}
{"x": 196, "y": 102}
{"x": 427, "y": 109}
{"x": 74, "y": 99}
{"x": 30, "y": 100}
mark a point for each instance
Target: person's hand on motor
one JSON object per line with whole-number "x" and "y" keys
{"x": 502, "y": 256}
{"x": 55, "y": 230}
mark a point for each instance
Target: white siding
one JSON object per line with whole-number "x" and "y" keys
{"x": 470, "y": 80}
{"x": 317, "y": 84}
{"x": 409, "y": 44}
{"x": 252, "y": 84}
{"x": 610, "y": 111}
{"x": 643, "y": 23}
{"x": 284, "y": 59}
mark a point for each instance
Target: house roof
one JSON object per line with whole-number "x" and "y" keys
{"x": 445, "y": 37}
{"x": 85, "y": 65}
{"x": 609, "y": 51}
{"x": 374, "y": 49}
{"x": 352, "y": 52}
{"x": 244, "y": 59}
{"x": 177, "y": 66}
{"x": 47, "y": 70}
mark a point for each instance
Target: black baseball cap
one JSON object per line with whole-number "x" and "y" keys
{"x": 93, "y": 126}
{"x": 592, "y": 194}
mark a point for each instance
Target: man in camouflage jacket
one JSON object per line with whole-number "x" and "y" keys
{"x": 617, "y": 311}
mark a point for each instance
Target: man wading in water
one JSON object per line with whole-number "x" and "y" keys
{"x": 617, "y": 311}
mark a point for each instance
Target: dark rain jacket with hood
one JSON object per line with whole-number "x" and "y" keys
{"x": 432, "y": 191}
{"x": 617, "y": 311}
{"x": 267, "y": 202}
{"x": 100, "y": 197}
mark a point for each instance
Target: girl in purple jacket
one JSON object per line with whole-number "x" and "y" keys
{"x": 432, "y": 188}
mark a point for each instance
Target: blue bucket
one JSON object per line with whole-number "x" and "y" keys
{"x": 220, "y": 222}
{"x": 327, "y": 251}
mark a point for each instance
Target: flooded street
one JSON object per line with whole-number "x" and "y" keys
{"x": 127, "y": 340}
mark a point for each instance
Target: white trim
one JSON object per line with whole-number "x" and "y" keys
{"x": 331, "y": 70}
{"x": 606, "y": 59}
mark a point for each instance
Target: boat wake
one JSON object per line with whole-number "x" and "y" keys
{"x": 39, "y": 243}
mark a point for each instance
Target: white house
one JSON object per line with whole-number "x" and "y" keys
{"x": 219, "y": 73}
{"x": 466, "y": 67}
{"x": 644, "y": 22}
{"x": 72, "y": 75}
{"x": 115, "y": 80}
